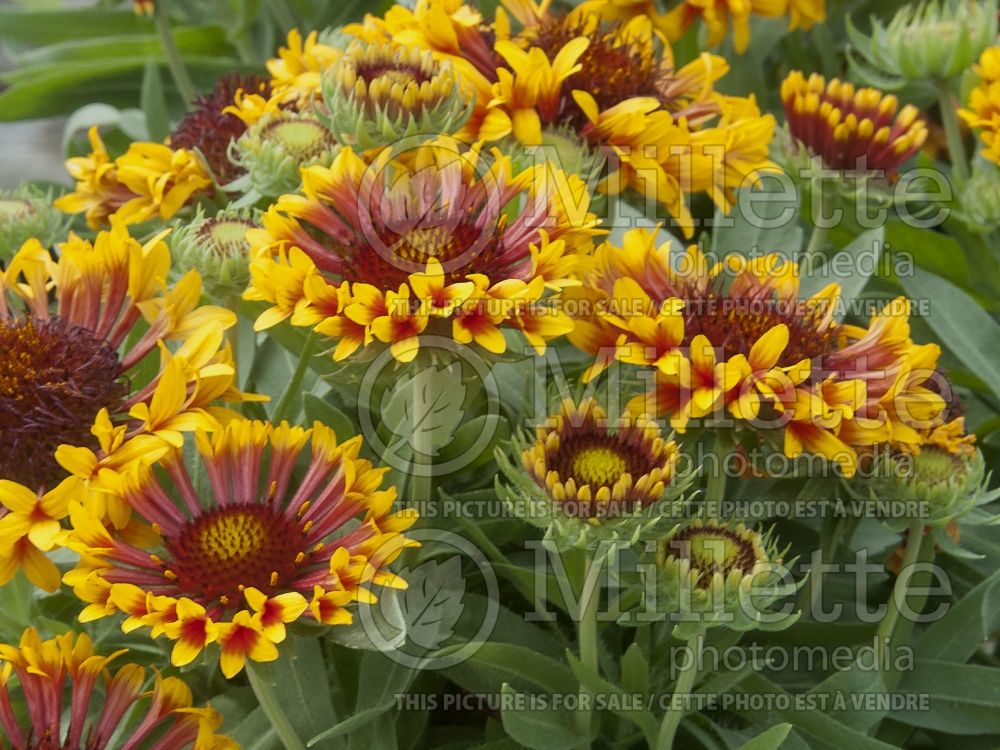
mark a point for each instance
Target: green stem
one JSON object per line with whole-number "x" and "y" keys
{"x": 886, "y": 628}
{"x": 685, "y": 682}
{"x": 814, "y": 250}
{"x": 953, "y": 134}
{"x": 715, "y": 488}
{"x": 422, "y": 464}
{"x": 294, "y": 387}
{"x": 175, "y": 63}
{"x": 586, "y": 636}
{"x": 263, "y": 689}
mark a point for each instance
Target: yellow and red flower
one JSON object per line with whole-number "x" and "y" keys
{"x": 856, "y": 130}
{"x": 263, "y": 547}
{"x": 72, "y": 411}
{"x": 983, "y": 112}
{"x": 149, "y": 180}
{"x": 732, "y": 340}
{"x": 65, "y": 673}
{"x": 445, "y": 241}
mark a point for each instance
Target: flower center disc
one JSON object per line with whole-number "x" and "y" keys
{"x": 599, "y": 466}
{"x": 303, "y": 139}
{"x": 14, "y": 209}
{"x": 227, "y": 237}
{"x": 54, "y": 378}
{"x": 220, "y": 553}
{"x": 714, "y": 550}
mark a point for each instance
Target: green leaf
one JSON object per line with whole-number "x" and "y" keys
{"x": 768, "y": 224}
{"x": 50, "y": 26}
{"x": 957, "y": 635}
{"x": 823, "y": 731}
{"x": 302, "y": 687}
{"x": 255, "y": 732}
{"x": 131, "y": 122}
{"x": 154, "y": 103}
{"x": 622, "y": 707}
{"x": 384, "y": 621}
{"x": 539, "y": 729}
{"x": 356, "y": 721}
{"x": 964, "y": 698}
{"x": 433, "y": 417}
{"x": 772, "y": 739}
{"x": 851, "y": 267}
{"x": 318, "y": 410}
{"x": 635, "y": 670}
{"x": 961, "y": 324}
{"x": 494, "y": 664}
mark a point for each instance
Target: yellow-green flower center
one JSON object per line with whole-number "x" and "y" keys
{"x": 599, "y": 466}
{"x": 13, "y": 210}
{"x": 715, "y": 548}
{"x": 302, "y": 139}
{"x": 226, "y": 237}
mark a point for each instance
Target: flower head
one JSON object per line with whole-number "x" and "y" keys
{"x": 297, "y": 72}
{"x": 237, "y": 561}
{"x": 67, "y": 404}
{"x": 983, "y": 111}
{"x": 208, "y": 128}
{"x": 378, "y": 94}
{"x": 716, "y": 573}
{"x": 25, "y": 213}
{"x": 856, "y": 130}
{"x": 616, "y": 86}
{"x": 933, "y": 39}
{"x": 102, "y": 707}
{"x": 275, "y": 149}
{"x": 149, "y": 180}
{"x": 588, "y": 478}
{"x": 437, "y": 239}
{"x": 733, "y": 337}
{"x": 217, "y": 248}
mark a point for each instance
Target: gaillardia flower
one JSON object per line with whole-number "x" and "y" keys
{"x": 297, "y": 71}
{"x": 439, "y": 240}
{"x": 933, "y": 39}
{"x": 587, "y": 478}
{"x": 378, "y": 94}
{"x": 71, "y": 404}
{"x": 74, "y": 702}
{"x": 259, "y": 547}
{"x": 25, "y": 213}
{"x": 616, "y": 86}
{"x": 715, "y": 573}
{"x": 983, "y": 111}
{"x": 149, "y": 180}
{"x": 854, "y": 130}
{"x": 274, "y": 150}
{"x": 218, "y": 250}
{"x": 734, "y": 339}
{"x": 208, "y": 128}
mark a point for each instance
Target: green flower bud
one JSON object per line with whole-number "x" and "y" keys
{"x": 981, "y": 199}
{"x": 217, "y": 248}
{"x": 935, "y": 39}
{"x": 590, "y": 481}
{"x": 378, "y": 94}
{"x": 564, "y": 148}
{"x": 940, "y": 484}
{"x": 273, "y": 152}
{"x": 26, "y": 213}
{"x": 716, "y": 574}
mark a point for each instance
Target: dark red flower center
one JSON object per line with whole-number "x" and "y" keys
{"x": 54, "y": 378}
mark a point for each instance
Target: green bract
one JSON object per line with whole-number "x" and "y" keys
{"x": 25, "y": 213}
{"x": 936, "y": 39}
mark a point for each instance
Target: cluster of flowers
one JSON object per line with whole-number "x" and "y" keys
{"x": 426, "y": 172}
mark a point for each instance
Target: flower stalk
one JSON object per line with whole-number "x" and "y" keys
{"x": 263, "y": 690}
